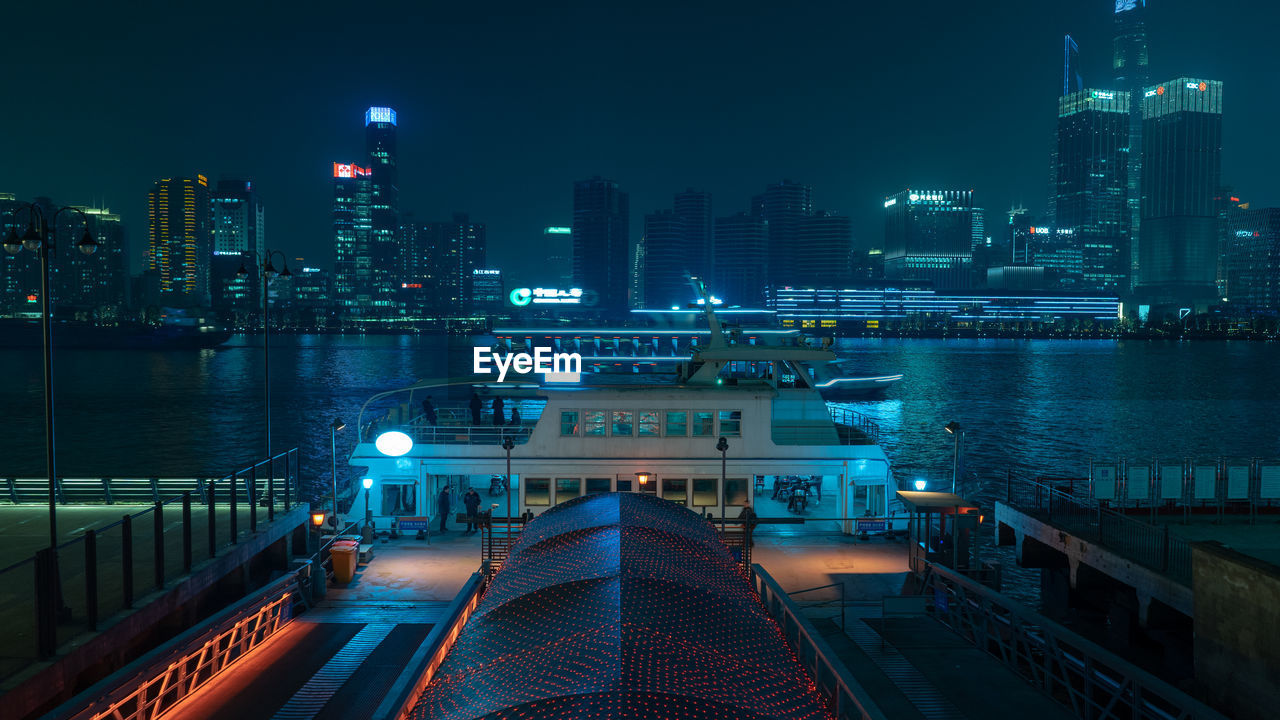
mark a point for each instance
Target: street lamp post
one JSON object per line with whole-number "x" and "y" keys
{"x": 268, "y": 272}
{"x": 508, "y": 444}
{"x": 40, "y": 237}
{"x": 334, "y": 427}
{"x": 368, "y": 483}
{"x": 723, "y": 447}
{"x": 954, "y": 428}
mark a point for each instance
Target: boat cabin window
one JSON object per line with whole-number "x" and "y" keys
{"x": 731, "y": 423}
{"x": 597, "y": 485}
{"x": 704, "y": 492}
{"x": 649, "y": 425}
{"x": 703, "y": 424}
{"x": 567, "y": 489}
{"x": 622, "y": 422}
{"x": 624, "y": 485}
{"x": 569, "y": 422}
{"x": 735, "y": 491}
{"x": 593, "y": 422}
{"x": 537, "y": 491}
{"x": 677, "y": 423}
{"x": 676, "y": 490}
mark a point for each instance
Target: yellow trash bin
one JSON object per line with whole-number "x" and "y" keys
{"x": 344, "y": 554}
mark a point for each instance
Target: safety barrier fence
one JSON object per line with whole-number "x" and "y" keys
{"x": 868, "y": 428}
{"x": 1090, "y": 680}
{"x": 60, "y": 592}
{"x": 161, "y": 679}
{"x": 1221, "y": 485}
{"x": 847, "y": 697}
{"x": 1144, "y": 543}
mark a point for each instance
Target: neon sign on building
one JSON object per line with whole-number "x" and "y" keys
{"x": 349, "y": 170}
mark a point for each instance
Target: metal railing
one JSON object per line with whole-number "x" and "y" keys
{"x": 847, "y": 697}
{"x": 1090, "y": 680}
{"x": 61, "y": 592}
{"x": 843, "y": 416}
{"x": 111, "y": 491}
{"x": 1146, "y": 544}
{"x": 181, "y": 667}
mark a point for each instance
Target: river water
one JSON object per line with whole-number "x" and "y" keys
{"x": 1034, "y": 406}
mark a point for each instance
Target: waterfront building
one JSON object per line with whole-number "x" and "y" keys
{"x": 929, "y": 237}
{"x": 782, "y": 206}
{"x": 1092, "y": 185}
{"x": 665, "y": 262}
{"x": 384, "y": 210}
{"x": 889, "y": 308}
{"x": 1072, "y": 79}
{"x": 823, "y": 249}
{"x": 1182, "y": 160}
{"x": 20, "y": 273}
{"x": 1129, "y": 67}
{"x": 693, "y": 207}
{"x": 557, "y": 244}
{"x": 351, "y": 226}
{"x": 602, "y": 249}
{"x": 98, "y": 283}
{"x": 180, "y": 239}
{"x": 488, "y": 292}
{"x": 239, "y": 230}
{"x": 1253, "y": 260}
{"x": 741, "y": 244}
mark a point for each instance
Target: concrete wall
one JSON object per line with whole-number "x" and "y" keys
{"x": 1237, "y": 631}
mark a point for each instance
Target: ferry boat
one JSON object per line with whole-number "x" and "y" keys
{"x": 789, "y": 454}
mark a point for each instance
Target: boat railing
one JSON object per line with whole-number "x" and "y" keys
{"x": 868, "y": 428}
{"x": 454, "y": 425}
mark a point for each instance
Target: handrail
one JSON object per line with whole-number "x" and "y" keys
{"x": 1064, "y": 662}
{"x": 830, "y": 676}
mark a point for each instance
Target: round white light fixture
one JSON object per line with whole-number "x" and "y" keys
{"x": 393, "y": 443}
{"x": 920, "y": 485}
{"x": 367, "y": 483}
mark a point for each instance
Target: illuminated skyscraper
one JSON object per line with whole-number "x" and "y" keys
{"x": 928, "y": 235}
{"x": 1181, "y": 169}
{"x": 180, "y": 239}
{"x": 1072, "y": 80}
{"x": 352, "y": 263}
{"x": 384, "y": 209}
{"x": 666, "y": 265}
{"x": 1253, "y": 259}
{"x": 601, "y": 242}
{"x": 239, "y": 226}
{"x": 1092, "y": 185}
{"x": 1129, "y": 65}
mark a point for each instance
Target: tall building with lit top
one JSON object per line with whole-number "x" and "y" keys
{"x": 1091, "y": 195}
{"x": 352, "y": 268}
{"x": 1181, "y": 170}
{"x": 384, "y": 209}
{"x": 239, "y": 229}
{"x": 602, "y": 242}
{"x": 1129, "y": 66}
{"x": 1252, "y": 259}
{"x": 928, "y": 236}
{"x": 180, "y": 239}
{"x": 98, "y": 282}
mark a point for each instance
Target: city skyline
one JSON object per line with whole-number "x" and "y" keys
{"x": 855, "y": 137}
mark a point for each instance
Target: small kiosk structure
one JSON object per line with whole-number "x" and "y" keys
{"x": 940, "y": 529}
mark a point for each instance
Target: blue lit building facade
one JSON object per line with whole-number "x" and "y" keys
{"x": 1090, "y": 197}
{"x": 928, "y": 237}
{"x": 1252, "y": 259}
{"x": 888, "y": 308}
{"x": 1129, "y": 67}
{"x": 1182, "y": 165}
{"x": 384, "y": 211}
{"x": 351, "y": 226}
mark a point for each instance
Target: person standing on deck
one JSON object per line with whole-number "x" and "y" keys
{"x": 429, "y": 411}
{"x": 443, "y": 503}
{"x": 499, "y": 417}
{"x": 476, "y": 407}
{"x": 471, "y": 501}
{"x": 515, "y": 416}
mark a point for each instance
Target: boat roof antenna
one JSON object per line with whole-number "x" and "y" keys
{"x": 717, "y": 333}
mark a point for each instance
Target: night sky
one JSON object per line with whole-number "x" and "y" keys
{"x": 503, "y": 105}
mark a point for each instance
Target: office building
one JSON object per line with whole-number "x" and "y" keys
{"x": 1181, "y": 167}
{"x": 929, "y": 237}
{"x": 782, "y": 205}
{"x": 557, "y": 243}
{"x": 741, "y": 244}
{"x": 666, "y": 265}
{"x": 823, "y": 250}
{"x": 352, "y": 274}
{"x": 1252, "y": 260}
{"x": 1072, "y": 79}
{"x": 239, "y": 231}
{"x": 693, "y": 207}
{"x": 384, "y": 211}
{"x": 602, "y": 260}
{"x": 99, "y": 282}
{"x": 1129, "y": 66}
{"x": 1090, "y": 199}
{"x": 180, "y": 239}
{"x": 488, "y": 292}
